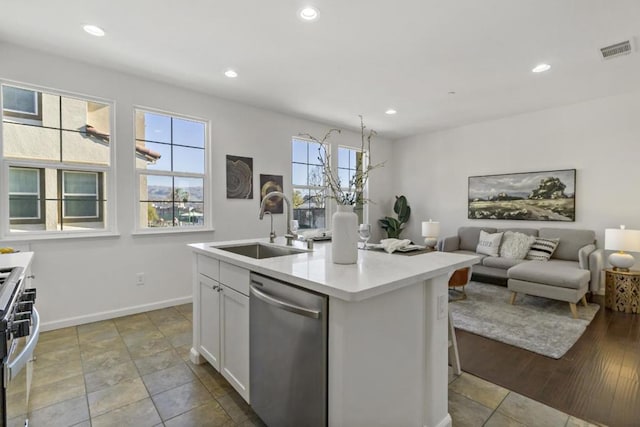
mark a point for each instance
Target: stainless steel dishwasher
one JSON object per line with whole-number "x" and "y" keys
{"x": 288, "y": 353}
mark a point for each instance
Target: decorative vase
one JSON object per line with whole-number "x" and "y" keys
{"x": 344, "y": 236}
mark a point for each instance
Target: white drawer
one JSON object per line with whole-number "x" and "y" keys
{"x": 209, "y": 267}
{"x": 236, "y": 278}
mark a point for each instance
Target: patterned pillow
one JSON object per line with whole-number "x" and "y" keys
{"x": 515, "y": 245}
{"x": 489, "y": 244}
{"x": 542, "y": 249}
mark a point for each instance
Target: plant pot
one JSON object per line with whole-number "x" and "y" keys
{"x": 344, "y": 236}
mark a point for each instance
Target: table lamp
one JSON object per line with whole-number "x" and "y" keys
{"x": 621, "y": 240}
{"x": 430, "y": 232}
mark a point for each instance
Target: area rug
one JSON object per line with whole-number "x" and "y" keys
{"x": 536, "y": 324}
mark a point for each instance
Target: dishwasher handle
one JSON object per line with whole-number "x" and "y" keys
{"x": 261, "y": 295}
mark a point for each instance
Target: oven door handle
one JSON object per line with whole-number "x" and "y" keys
{"x": 16, "y": 365}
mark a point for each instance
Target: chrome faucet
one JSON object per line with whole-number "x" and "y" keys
{"x": 272, "y": 234}
{"x": 290, "y": 235}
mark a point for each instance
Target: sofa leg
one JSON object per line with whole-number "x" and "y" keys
{"x": 513, "y": 297}
{"x": 584, "y": 301}
{"x": 574, "y": 309}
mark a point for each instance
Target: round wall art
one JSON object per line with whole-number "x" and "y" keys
{"x": 239, "y": 177}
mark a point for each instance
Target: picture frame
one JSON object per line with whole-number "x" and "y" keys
{"x": 528, "y": 196}
{"x": 239, "y": 177}
{"x": 269, "y": 183}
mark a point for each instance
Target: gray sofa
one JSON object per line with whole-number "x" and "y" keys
{"x": 573, "y": 270}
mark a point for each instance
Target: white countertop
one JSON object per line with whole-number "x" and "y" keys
{"x": 375, "y": 273}
{"x": 18, "y": 259}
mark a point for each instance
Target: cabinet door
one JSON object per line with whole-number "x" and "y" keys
{"x": 209, "y": 320}
{"x": 235, "y": 340}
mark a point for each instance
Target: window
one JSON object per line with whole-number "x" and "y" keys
{"x": 80, "y": 195}
{"x": 21, "y": 103}
{"x": 171, "y": 168}
{"x": 25, "y": 201}
{"x": 58, "y": 152}
{"x": 350, "y": 162}
{"x": 308, "y": 199}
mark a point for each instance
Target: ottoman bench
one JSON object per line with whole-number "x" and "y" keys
{"x": 555, "y": 279}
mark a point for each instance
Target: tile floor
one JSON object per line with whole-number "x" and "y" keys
{"x": 135, "y": 371}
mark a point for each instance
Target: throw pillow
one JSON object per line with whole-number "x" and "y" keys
{"x": 515, "y": 245}
{"x": 542, "y": 249}
{"x": 489, "y": 244}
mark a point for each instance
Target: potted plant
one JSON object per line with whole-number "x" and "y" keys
{"x": 394, "y": 226}
{"x": 344, "y": 221}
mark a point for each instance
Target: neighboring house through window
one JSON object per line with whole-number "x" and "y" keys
{"x": 22, "y": 103}
{"x": 308, "y": 200}
{"x": 25, "y": 201}
{"x": 171, "y": 153}
{"x": 57, "y": 149}
{"x": 81, "y": 195}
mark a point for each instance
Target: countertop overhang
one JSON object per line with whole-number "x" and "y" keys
{"x": 18, "y": 259}
{"x": 375, "y": 273}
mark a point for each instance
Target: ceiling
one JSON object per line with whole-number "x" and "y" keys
{"x": 359, "y": 57}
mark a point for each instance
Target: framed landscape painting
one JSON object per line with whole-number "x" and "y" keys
{"x": 531, "y": 196}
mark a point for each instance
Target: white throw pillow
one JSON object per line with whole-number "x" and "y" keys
{"x": 515, "y": 245}
{"x": 489, "y": 244}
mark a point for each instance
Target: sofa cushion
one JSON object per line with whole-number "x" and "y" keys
{"x": 501, "y": 262}
{"x": 469, "y": 237}
{"x": 489, "y": 243}
{"x": 527, "y": 231}
{"x": 515, "y": 245}
{"x": 570, "y": 241}
{"x": 565, "y": 274}
{"x": 542, "y": 249}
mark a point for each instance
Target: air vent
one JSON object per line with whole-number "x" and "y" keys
{"x": 615, "y": 50}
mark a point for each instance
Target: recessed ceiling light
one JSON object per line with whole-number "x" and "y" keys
{"x": 390, "y": 111}
{"x": 231, "y": 74}
{"x": 309, "y": 13}
{"x": 94, "y": 30}
{"x": 541, "y": 68}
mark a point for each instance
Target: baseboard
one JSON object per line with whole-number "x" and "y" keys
{"x": 445, "y": 422}
{"x": 111, "y": 314}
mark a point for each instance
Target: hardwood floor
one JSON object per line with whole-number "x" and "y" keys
{"x": 597, "y": 380}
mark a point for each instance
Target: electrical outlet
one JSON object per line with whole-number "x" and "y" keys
{"x": 139, "y": 279}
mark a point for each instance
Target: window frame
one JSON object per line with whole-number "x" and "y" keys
{"x": 17, "y": 114}
{"x": 98, "y": 194}
{"x": 206, "y": 176}
{"x": 39, "y": 194}
{"x": 109, "y": 226}
{"x": 320, "y": 189}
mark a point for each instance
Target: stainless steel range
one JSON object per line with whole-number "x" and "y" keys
{"x": 20, "y": 327}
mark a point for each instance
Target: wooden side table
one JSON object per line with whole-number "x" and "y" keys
{"x": 622, "y": 291}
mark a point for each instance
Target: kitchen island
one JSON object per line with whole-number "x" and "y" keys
{"x": 387, "y": 327}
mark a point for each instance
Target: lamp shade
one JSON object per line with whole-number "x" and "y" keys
{"x": 430, "y": 228}
{"x": 620, "y": 239}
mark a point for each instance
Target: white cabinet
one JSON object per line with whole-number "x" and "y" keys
{"x": 209, "y": 320}
{"x": 234, "y": 339}
{"x": 221, "y": 332}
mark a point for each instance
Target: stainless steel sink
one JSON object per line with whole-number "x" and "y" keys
{"x": 260, "y": 251}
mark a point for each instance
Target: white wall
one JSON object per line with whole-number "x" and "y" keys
{"x": 599, "y": 138}
{"x": 81, "y": 280}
